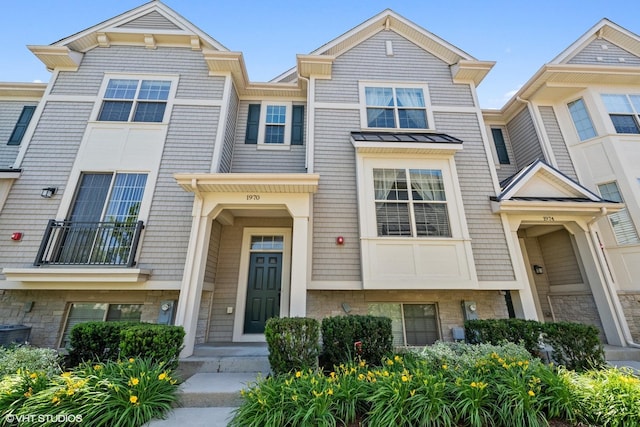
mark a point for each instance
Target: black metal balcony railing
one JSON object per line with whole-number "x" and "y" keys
{"x": 89, "y": 243}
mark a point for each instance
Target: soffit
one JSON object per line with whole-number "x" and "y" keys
{"x": 248, "y": 183}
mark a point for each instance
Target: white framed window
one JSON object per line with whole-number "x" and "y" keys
{"x": 135, "y": 99}
{"x": 412, "y": 324}
{"x": 411, "y": 203}
{"x": 80, "y": 312}
{"x": 275, "y": 124}
{"x": 624, "y": 111}
{"x": 581, "y": 119}
{"x": 395, "y": 106}
{"x": 621, "y": 222}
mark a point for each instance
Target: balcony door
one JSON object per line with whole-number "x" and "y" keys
{"x": 105, "y": 207}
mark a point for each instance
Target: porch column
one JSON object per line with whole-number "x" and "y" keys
{"x": 299, "y": 253}
{"x": 193, "y": 276}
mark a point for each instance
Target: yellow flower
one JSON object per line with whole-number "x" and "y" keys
{"x": 131, "y": 360}
{"x": 55, "y": 400}
{"x": 444, "y": 367}
{"x": 97, "y": 367}
{"x": 298, "y": 374}
{"x": 531, "y": 393}
{"x": 412, "y": 392}
{"x": 398, "y": 359}
{"x": 330, "y": 392}
{"x": 332, "y": 374}
{"x": 317, "y": 394}
{"x": 362, "y": 364}
{"x": 66, "y": 374}
{"x": 162, "y": 376}
{"x": 134, "y": 381}
{"x": 405, "y": 378}
{"x": 33, "y": 376}
{"x": 389, "y": 362}
{"x": 361, "y": 377}
{"x": 294, "y": 398}
{"x": 133, "y": 399}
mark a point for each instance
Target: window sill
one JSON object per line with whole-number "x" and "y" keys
{"x": 121, "y": 124}
{"x": 273, "y": 147}
{"x": 94, "y": 275}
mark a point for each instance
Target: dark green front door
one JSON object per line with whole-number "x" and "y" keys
{"x": 263, "y": 290}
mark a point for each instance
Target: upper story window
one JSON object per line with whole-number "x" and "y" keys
{"x": 21, "y": 125}
{"x": 132, "y": 100}
{"x": 395, "y": 107}
{"x": 623, "y": 227}
{"x": 624, "y": 111}
{"x": 581, "y": 119}
{"x": 501, "y": 146}
{"x": 410, "y": 202}
{"x": 275, "y": 124}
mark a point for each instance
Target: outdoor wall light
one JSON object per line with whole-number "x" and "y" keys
{"x": 538, "y": 269}
{"x": 340, "y": 240}
{"x": 48, "y": 192}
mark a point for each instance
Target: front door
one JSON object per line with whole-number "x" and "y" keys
{"x": 263, "y": 290}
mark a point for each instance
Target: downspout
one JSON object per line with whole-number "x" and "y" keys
{"x": 609, "y": 285}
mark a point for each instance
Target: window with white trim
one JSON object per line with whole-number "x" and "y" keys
{"x": 132, "y": 100}
{"x": 581, "y": 119}
{"x": 395, "y": 106}
{"x": 275, "y": 124}
{"x": 411, "y": 324}
{"x": 410, "y": 203}
{"x": 624, "y": 111}
{"x": 621, "y": 222}
{"x": 99, "y": 312}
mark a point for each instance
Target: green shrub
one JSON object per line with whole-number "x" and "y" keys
{"x": 103, "y": 341}
{"x": 158, "y": 343}
{"x": 348, "y": 338}
{"x": 28, "y": 358}
{"x": 95, "y": 341}
{"x": 575, "y": 346}
{"x": 293, "y": 343}
{"x": 498, "y": 331}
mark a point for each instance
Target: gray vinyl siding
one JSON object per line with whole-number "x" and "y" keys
{"x": 188, "y": 149}
{"x": 152, "y": 20}
{"x": 9, "y": 115}
{"x": 558, "y": 144}
{"x": 48, "y": 161}
{"x": 213, "y": 254}
{"x": 229, "y": 135}
{"x": 410, "y": 63}
{"x": 505, "y": 171}
{"x": 247, "y": 158}
{"x": 524, "y": 139}
{"x": 195, "y": 82}
{"x": 560, "y": 259}
{"x": 335, "y": 207}
{"x": 488, "y": 241}
{"x": 611, "y": 55}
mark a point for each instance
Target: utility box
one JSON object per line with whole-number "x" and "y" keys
{"x": 14, "y": 334}
{"x": 167, "y": 312}
{"x": 469, "y": 310}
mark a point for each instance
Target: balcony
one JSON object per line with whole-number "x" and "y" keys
{"x": 67, "y": 243}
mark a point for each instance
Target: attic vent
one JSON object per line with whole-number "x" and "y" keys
{"x": 389, "y": 47}
{"x": 599, "y": 59}
{"x": 604, "y": 47}
{"x": 621, "y": 60}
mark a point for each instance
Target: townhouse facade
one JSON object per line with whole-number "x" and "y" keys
{"x": 151, "y": 180}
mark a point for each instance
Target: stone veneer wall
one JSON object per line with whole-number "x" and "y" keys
{"x": 490, "y": 304}
{"x": 579, "y": 308}
{"x": 630, "y": 302}
{"x": 48, "y": 313}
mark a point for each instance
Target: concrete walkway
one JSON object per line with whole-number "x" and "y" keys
{"x": 196, "y": 417}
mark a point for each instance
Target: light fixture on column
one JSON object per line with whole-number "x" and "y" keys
{"x": 538, "y": 269}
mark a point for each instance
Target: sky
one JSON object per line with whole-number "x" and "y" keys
{"x": 520, "y": 36}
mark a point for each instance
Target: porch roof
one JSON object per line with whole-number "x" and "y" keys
{"x": 248, "y": 182}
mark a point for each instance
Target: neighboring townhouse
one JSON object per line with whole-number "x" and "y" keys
{"x": 156, "y": 182}
{"x": 580, "y": 113}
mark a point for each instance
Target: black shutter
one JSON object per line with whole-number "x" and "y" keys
{"x": 253, "y": 123}
{"x": 501, "y": 147}
{"x": 21, "y": 125}
{"x": 297, "y": 125}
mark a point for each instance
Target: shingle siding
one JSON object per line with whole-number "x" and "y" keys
{"x": 229, "y": 135}
{"x": 48, "y": 162}
{"x": 558, "y": 144}
{"x": 504, "y": 171}
{"x": 410, "y": 63}
{"x": 152, "y": 20}
{"x": 188, "y": 149}
{"x": 524, "y": 139}
{"x": 594, "y": 53}
{"x": 488, "y": 241}
{"x": 9, "y": 115}
{"x": 335, "y": 207}
{"x": 195, "y": 82}
{"x": 248, "y": 158}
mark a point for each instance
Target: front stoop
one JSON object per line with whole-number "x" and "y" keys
{"x": 613, "y": 353}
{"x": 214, "y": 389}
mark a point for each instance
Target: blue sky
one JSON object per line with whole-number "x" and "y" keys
{"x": 520, "y": 36}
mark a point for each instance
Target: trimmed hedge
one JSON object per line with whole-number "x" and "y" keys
{"x": 293, "y": 343}
{"x": 346, "y": 338}
{"x": 575, "y": 346}
{"x": 111, "y": 341}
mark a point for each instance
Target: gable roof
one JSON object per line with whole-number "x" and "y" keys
{"x": 150, "y": 25}
{"x": 464, "y": 66}
{"x": 539, "y": 187}
{"x": 562, "y": 77}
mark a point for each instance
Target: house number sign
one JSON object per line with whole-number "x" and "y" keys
{"x": 253, "y": 197}
{"x": 548, "y": 219}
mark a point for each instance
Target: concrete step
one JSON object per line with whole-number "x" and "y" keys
{"x": 613, "y": 353}
{"x": 195, "y": 417}
{"x": 221, "y": 389}
{"x": 223, "y": 364}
